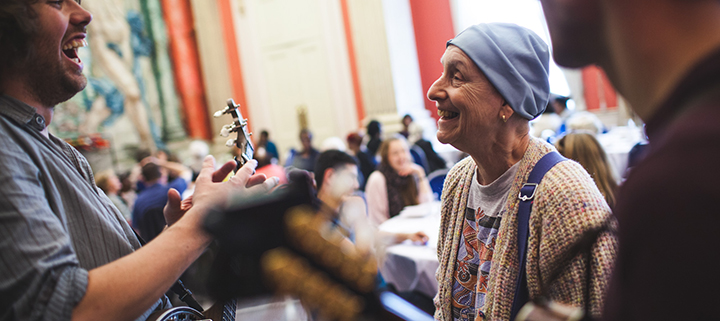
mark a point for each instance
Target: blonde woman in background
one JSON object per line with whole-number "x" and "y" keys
{"x": 586, "y": 150}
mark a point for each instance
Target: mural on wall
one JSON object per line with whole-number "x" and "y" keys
{"x": 130, "y": 97}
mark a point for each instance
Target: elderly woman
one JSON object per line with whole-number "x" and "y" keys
{"x": 495, "y": 79}
{"x": 397, "y": 182}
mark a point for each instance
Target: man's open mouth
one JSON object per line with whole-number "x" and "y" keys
{"x": 70, "y": 49}
{"x": 447, "y": 114}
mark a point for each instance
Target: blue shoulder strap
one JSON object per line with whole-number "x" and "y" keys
{"x": 527, "y": 194}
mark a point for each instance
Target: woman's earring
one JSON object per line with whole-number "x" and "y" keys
{"x": 504, "y": 120}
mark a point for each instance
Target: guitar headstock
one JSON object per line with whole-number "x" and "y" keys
{"x": 239, "y": 126}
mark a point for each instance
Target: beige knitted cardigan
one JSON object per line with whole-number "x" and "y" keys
{"x": 567, "y": 203}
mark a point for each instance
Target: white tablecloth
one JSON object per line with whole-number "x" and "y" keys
{"x": 617, "y": 144}
{"x": 411, "y": 267}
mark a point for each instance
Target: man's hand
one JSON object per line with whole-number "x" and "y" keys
{"x": 176, "y": 208}
{"x": 211, "y": 191}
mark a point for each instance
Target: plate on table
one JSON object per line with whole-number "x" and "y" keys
{"x": 420, "y": 210}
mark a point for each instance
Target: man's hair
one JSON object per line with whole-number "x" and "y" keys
{"x": 373, "y": 128}
{"x": 354, "y": 138}
{"x": 330, "y": 159}
{"x": 17, "y": 27}
{"x": 141, "y": 154}
{"x": 151, "y": 172}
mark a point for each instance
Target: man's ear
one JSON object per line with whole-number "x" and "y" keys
{"x": 328, "y": 175}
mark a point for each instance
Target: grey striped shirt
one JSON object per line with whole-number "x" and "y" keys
{"x": 55, "y": 224}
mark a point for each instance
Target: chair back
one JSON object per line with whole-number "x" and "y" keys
{"x": 437, "y": 179}
{"x": 419, "y": 157}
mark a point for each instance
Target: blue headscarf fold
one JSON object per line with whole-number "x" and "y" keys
{"x": 514, "y": 59}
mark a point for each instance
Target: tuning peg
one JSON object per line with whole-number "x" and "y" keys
{"x": 226, "y": 130}
{"x": 220, "y": 112}
{"x": 231, "y": 142}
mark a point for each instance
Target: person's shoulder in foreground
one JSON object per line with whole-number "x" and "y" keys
{"x": 663, "y": 56}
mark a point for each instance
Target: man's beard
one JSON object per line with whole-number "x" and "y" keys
{"x": 49, "y": 82}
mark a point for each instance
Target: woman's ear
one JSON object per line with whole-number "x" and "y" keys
{"x": 506, "y": 111}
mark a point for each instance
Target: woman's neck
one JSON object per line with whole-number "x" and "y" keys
{"x": 502, "y": 155}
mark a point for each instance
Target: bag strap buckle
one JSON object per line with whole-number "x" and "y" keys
{"x": 528, "y": 188}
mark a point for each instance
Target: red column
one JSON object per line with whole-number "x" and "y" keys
{"x": 359, "y": 106}
{"x": 433, "y": 24}
{"x": 233, "y": 57}
{"x": 598, "y": 91}
{"x": 186, "y": 66}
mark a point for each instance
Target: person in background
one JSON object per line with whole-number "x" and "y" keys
{"x": 397, "y": 182}
{"x": 663, "y": 56}
{"x": 547, "y": 125}
{"x": 267, "y": 167}
{"x": 336, "y": 180}
{"x": 179, "y": 175}
{"x": 586, "y": 150}
{"x": 198, "y": 149}
{"x": 305, "y": 158}
{"x": 374, "y": 131}
{"x": 494, "y": 81}
{"x": 146, "y": 219}
{"x": 434, "y": 161}
{"x": 66, "y": 252}
{"x": 366, "y": 162}
{"x": 558, "y": 103}
{"x": 584, "y": 121}
{"x": 110, "y": 184}
{"x": 127, "y": 191}
{"x": 268, "y": 145}
{"x": 406, "y": 121}
{"x": 333, "y": 142}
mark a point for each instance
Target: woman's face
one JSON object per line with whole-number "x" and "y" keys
{"x": 398, "y": 154}
{"x": 468, "y": 104}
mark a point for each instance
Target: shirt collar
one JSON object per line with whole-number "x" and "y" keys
{"x": 21, "y": 112}
{"x": 703, "y": 76}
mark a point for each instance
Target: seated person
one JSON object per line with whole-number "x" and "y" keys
{"x": 179, "y": 175}
{"x": 374, "y": 131}
{"x": 336, "y": 176}
{"x": 268, "y": 144}
{"x": 362, "y": 156}
{"x": 111, "y": 185}
{"x": 306, "y": 157}
{"x": 266, "y": 166}
{"x": 146, "y": 218}
{"x": 398, "y": 182}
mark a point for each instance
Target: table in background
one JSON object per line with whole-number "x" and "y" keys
{"x": 407, "y": 266}
{"x": 617, "y": 144}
